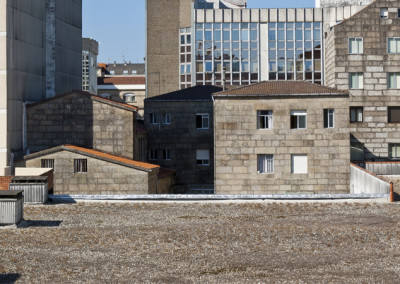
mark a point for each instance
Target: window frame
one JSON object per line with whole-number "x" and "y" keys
{"x": 293, "y": 169}
{"x": 302, "y": 113}
{"x": 358, "y": 47}
{"x": 268, "y": 119}
{"x": 44, "y": 163}
{"x": 329, "y": 118}
{"x": 395, "y": 38}
{"x": 396, "y": 80}
{"x": 153, "y": 155}
{"x": 166, "y": 154}
{"x": 166, "y": 118}
{"x": 356, "y": 109}
{"x": 154, "y": 118}
{"x": 351, "y": 87}
{"x": 356, "y": 145}
{"x": 268, "y": 166}
{"x": 384, "y": 13}
{"x": 203, "y": 117}
{"x": 203, "y": 162}
{"x": 390, "y": 151}
{"x": 131, "y": 96}
{"x": 389, "y": 112}
{"x": 80, "y": 166}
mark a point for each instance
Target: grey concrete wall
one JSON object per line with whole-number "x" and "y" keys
{"x": 182, "y": 138}
{"x": 384, "y": 168}
{"x": 78, "y": 120}
{"x": 374, "y": 132}
{"x": 23, "y": 61}
{"x": 238, "y": 142}
{"x": 102, "y": 177}
{"x": 340, "y": 3}
{"x": 363, "y": 182}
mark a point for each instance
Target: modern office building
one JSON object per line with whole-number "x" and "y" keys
{"x": 190, "y": 42}
{"x": 40, "y": 56}
{"x": 90, "y": 50}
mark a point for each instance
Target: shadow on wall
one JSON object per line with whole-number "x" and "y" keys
{"x": 60, "y": 121}
{"x": 359, "y": 154}
{"x": 9, "y": 278}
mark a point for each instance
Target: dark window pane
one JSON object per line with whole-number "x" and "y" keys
{"x": 394, "y": 114}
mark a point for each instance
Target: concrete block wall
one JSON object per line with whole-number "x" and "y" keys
{"x": 238, "y": 142}
{"x": 375, "y": 63}
{"x": 182, "y": 138}
{"x": 79, "y": 120}
{"x": 102, "y": 177}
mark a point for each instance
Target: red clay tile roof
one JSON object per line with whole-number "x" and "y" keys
{"x": 92, "y": 96}
{"x": 280, "y": 88}
{"x": 107, "y": 156}
{"x": 122, "y": 80}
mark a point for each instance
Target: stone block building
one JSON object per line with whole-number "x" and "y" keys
{"x": 180, "y": 126}
{"x": 79, "y": 118}
{"x": 79, "y": 171}
{"x": 363, "y": 55}
{"x": 281, "y": 138}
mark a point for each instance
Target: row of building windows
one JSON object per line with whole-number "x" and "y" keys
{"x": 356, "y": 80}
{"x": 202, "y": 156}
{"x": 299, "y": 164}
{"x": 357, "y": 151}
{"x": 356, "y": 45}
{"x": 298, "y": 119}
{"x": 357, "y": 114}
{"x": 202, "y": 119}
{"x": 80, "y": 165}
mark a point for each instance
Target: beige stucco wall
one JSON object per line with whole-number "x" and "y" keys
{"x": 102, "y": 177}
{"x": 238, "y": 142}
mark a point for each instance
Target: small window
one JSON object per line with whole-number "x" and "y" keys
{"x": 329, "y": 118}
{"x": 398, "y": 13}
{"x": 129, "y": 98}
{"x": 356, "y": 114}
{"x": 202, "y": 121}
{"x": 298, "y": 119}
{"x": 112, "y": 72}
{"x": 166, "y": 154}
{"x": 166, "y": 118}
{"x": 264, "y": 119}
{"x": 80, "y": 166}
{"x": 188, "y": 39}
{"x": 183, "y": 68}
{"x": 153, "y": 118}
{"x": 153, "y": 155}
{"x": 125, "y": 72}
{"x": 394, "y": 151}
{"x": 134, "y": 71}
{"x": 299, "y": 164}
{"x": 394, "y": 45}
{"x": 265, "y": 164}
{"x": 203, "y": 157}
{"x": 356, "y": 151}
{"x": 384, "y": 13}
{"x": 394, "y": 80}
{"x": 356, "y": 81}
{"x": 47, "y": 163}
{"x": 394, "y": 114}
{"x": 356, "y": 45}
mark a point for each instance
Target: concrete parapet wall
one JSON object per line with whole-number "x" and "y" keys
{"x": 365, "y": 182}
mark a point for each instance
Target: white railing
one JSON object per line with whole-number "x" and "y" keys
{"x": 365, "y": 182}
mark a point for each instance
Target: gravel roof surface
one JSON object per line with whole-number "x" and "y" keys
{"x": 213, "y": 242}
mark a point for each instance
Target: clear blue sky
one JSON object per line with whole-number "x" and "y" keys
{"x": 119, "y": 25}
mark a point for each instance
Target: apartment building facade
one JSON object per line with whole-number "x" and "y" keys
{"x": 253, "y": 45}
{"x": 40, "y": 56}
{"x": 90, "y": 50}
{"x": 363, "y": 55}
{"x": 281, "y": 137}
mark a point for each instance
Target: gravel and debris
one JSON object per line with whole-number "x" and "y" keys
{"x": 204, "y": 242}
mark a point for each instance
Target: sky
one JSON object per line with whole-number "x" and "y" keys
{"x": 119, "y": 25}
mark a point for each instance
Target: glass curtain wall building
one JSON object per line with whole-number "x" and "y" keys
{"x": 251, "y": 51}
